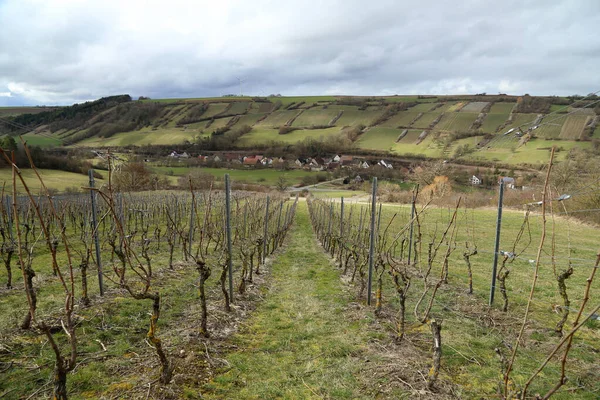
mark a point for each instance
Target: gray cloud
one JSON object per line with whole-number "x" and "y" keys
{"x": 65, "y": 51}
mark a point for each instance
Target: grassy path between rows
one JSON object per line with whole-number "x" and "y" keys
{"x": 299, "y": 343}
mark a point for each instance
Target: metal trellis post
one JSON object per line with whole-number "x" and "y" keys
{"x": 95, "y": 231}
{"x": 497, "y": 245}
{"x": 228, "y": 227}
{"x": 372, "y": 244}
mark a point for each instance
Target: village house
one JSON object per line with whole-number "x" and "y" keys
{"x": 232, "y": 158}
{"x": 333, "y": 165}
{"x": 266, "y": 161}
{"x": 314, "y": 165}
{"x": 252, "y": 160}
{"x": 385, "y": 164}
{"x": 508, "y": 182}
{"x": 475, "y": 180}
{"x": 345, "y": 161}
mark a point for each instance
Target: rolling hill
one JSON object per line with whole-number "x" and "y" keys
{"x": 431, "y": 126}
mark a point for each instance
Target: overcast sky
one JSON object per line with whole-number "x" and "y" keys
{"x": 66, "y": 51}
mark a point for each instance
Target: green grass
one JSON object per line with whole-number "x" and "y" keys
{"x": 492, "y": 122}
{"x": 553, "y": 128}
{"x": 277, "y": 118}
{"x": 427, "y": 119}
{"x": 411, "y": 136}
{"x": 427, "y": 147}
{"x": 573, "y": 126}
{"x": 315, "y": 117}
{"x": 474, "y": 107}
{"x": 525, "y": 121}
{"x": 378, "y": 138}
{"x": 239, "y": 107}
{"x": 53, "y": 179}
{"x": 143, "y": 136}
{"x": 403, "y": 118}
{"x": 357, "y": 117}
{"x": 42, "y": 141}
{"x": 502, "y": 108}
{"x": 536, "y": 151}
{"x": 424, "y": 107}
{"x": 456, "y": 121}
{"x": 299, "y": 344}
{"x": 336, "y": 194}
{"x": 214, "y": 109}
{"x": 470, "y": 141}
{"x": 262, "y": 176}
{"x": 249, "y": 119}
{"x": 468, "y": 338}
{"x": 260, "y": 136}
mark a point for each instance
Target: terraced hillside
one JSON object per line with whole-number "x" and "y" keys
{"x": 477, "y": 127}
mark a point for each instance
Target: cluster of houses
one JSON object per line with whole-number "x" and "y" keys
{"x": 310, "y": 163}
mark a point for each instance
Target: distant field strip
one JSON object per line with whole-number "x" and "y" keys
{"x": 424, "y": 107}
{"x": 474, "y": 107}
{"x": 239, "y": 108}
{"x": 265, "y": 136}
{"x": 214, "y": 109}
{"x": 492, "y": 122}
{"x": 403, "y": 118}
{"x": 573, "y": 127}
{"x": 502, "y": 108}
{"x": 458, "y": 122}
{"x": 315, "y": 117}
{"x": 378, "y": 138}
{"x": 356, "y": 117}
{"x": 426, "y": 120}
{"x": 551, "y": 126}
{"x": 278, "y": 118}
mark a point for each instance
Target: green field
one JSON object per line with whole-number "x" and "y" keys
{"x": 143, "y": 136}
{"x": 502, "y": 108}
{"x": 403, "y": 118}
{"x": 492, "y": 122}
{"x": 427, "y": 119}
{"x": 573, "y": 126}
{"x": 267, "y": 176}
{"x": 261, "y": 135}
{"x": 315, "y": 117}
{"x": 53, "y": 179}
{"x": 524, "y": 121}
{"x": 552, "y": 126}
{"x": 411, "y": 136}
{"x": 456, "y": 121}
{"x": 357, "y": 117}
{"x": 425, "y": 107}
{"x": 42, "y": 140}
{"x": 248, "y": 119}
{"x": 427, "y": 147}
{"x": 536, "y": 151}
{"x": 278, "y": 118}
{"x": 214, "y": 109}
{"x": 239, "y": 108}
{"x": 474, "y": 107}
{"x": 378, "y": 139}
